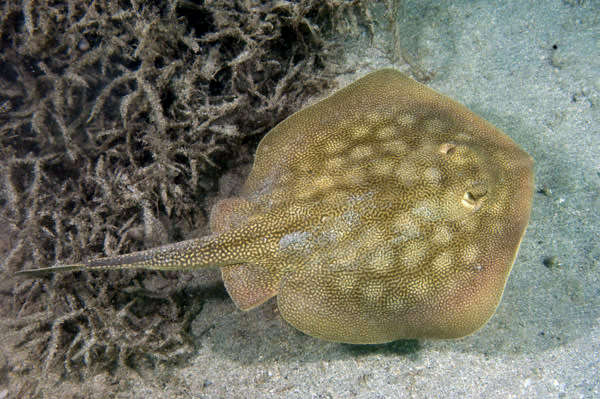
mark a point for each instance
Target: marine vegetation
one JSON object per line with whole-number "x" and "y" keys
{"x": 116, "y": 120}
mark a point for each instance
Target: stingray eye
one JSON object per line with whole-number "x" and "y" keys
{"x": 447, "y": 148}
{"x": 473, "y": 198}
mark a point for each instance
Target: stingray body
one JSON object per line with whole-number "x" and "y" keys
{"x": 385, "y": 211}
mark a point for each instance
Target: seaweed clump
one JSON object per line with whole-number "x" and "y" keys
{"x": 116, "y": 118}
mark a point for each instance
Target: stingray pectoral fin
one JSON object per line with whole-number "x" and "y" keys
{"x": 341, "y": 303}
{"x": 229, "y": 214}
{"x": 249, "y": 285}
{"x": 337, "y": 305}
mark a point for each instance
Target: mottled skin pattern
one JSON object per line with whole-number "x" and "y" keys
{"x": 386, "y": 211}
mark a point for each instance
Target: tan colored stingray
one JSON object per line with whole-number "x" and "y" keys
{"x": 383, "y": 212}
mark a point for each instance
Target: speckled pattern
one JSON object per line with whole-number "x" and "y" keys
{"x": 385, "y": 211}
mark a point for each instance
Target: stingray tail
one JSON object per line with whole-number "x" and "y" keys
{"x": 185, "y": 255}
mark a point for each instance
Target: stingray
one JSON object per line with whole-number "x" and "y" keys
{"x": 386, "y": 211}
